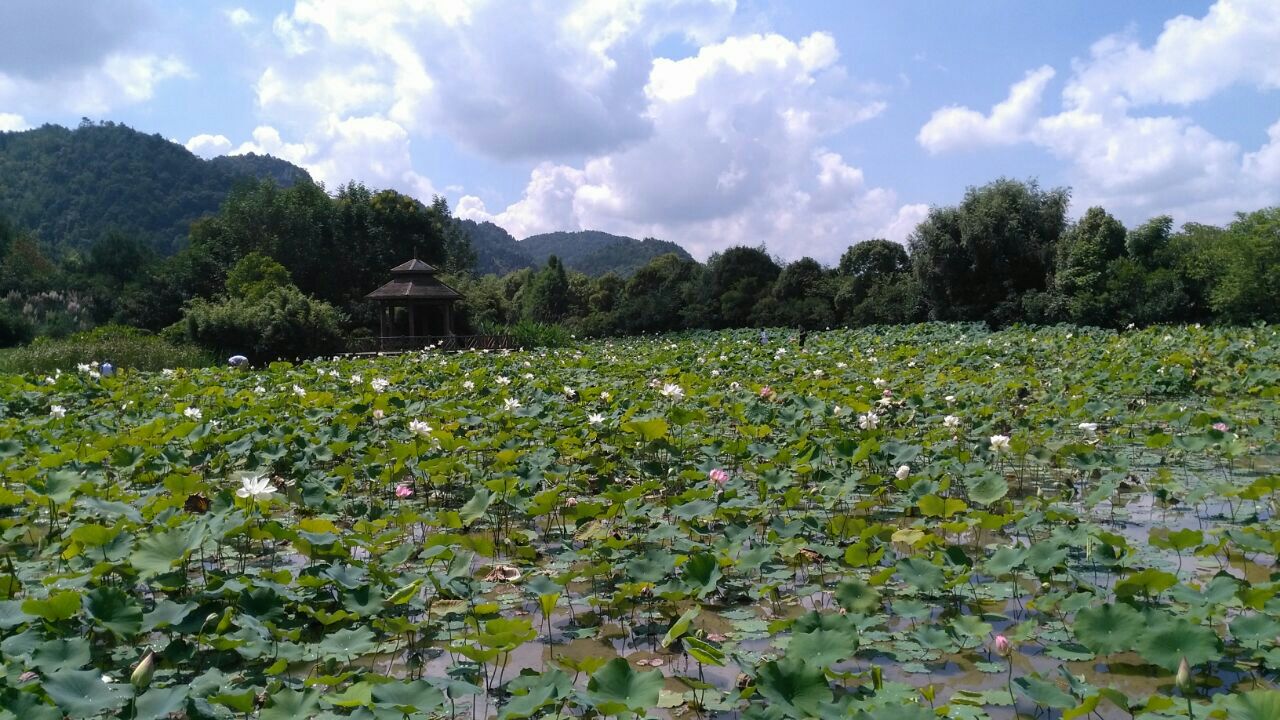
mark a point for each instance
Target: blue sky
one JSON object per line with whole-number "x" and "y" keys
{"x": 806, "y": 126}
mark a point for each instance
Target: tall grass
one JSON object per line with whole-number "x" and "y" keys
{"x": 123, "y": 347}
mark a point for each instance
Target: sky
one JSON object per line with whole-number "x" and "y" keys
{"x": 803, "y": 126}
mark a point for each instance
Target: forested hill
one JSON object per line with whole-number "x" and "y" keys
{"x": 70, "y": 187}
{"x": 589, "y": 251}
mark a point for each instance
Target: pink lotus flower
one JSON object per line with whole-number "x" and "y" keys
{"x": 1221, "y": 427}
{"x": 887, "y": 393}
{"x": 403, "y": 491}
{"x": 718, "y": 476}
{"x": 1003, "y": 647}
{"x": 767, "y": 393}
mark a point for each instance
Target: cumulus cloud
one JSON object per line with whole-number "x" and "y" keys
{"x": 372, "y": 150}
{"x": 12, "y": 122}
{"x": 1135, "y": 164}
{"x": 240, "y": 17}
{"x": 735, "y": 156}
{"x": 207, "y": 146}
{"x": 512, "y": 80}
{"x": 1008, "y": 122}
{"x": 78, "y": 56}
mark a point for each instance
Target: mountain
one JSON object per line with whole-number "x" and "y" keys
{"x": 588, "y": 251}
{"x": 71, "y": 187}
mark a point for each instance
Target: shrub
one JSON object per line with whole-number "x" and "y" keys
{"x": 283, "y": 323}
{"x": 124, "y": 347}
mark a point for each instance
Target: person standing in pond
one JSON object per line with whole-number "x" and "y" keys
{"x": 764, "y": 337}
{"x": 804, "y": 335}
{"x": 237, "y": 361}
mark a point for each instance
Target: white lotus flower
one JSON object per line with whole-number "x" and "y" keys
{"x": 193, "y": 413}
{"x": 379, "y": 384}
{"x": 259, "y": 390}
{"x": 297, "y": 390}
{"x": 880, "y": 382}
{"x": 672, "y": 391}
{"x": 468, "y": 385}
{"x": 502, "y": 380}
{"x": 951, "y": 421}
{"x": 903, "y": 472}
{"x": 258, "y": 487}
{"x": 57, "y": 411}
{"x": 511, "y": 404}
{"x": 1088, "y": 428}
{"x": 418, "y": 427}
{"x": 999, "y": 443}
{"x": 357, "y": 379}
{"x": 605, "y": 396}
{"x": 868, "y": 421}
{"x": 595, "y": 418}
{"x": 950, "y": 399}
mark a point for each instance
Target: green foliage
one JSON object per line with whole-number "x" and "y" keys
{"x": 284, "y": 323}
{"x": 71, "y": 187}
{"x": 546, "y": 296}
{"x": 256, "y": 275}
{"x": 974, "y": 261}
{"x": 126, "y": 348}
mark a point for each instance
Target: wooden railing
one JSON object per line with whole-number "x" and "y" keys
{"x": 405, "y": 343}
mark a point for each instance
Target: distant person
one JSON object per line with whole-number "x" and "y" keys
{"x": 804, "y": 335}
{"x": 107, "y": 369}
{"x": 238, "y": 361}
{"x": 764, "y": 337}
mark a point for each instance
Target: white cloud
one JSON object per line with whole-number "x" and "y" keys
{"x": 80, "y": 57}
{"x": 12, "y": 122}
{"x": 735, "y": 157}
{"x": 239, "y": 17}
{"x": 1140, "y": 165}
{"x": 207, "y": 146}
{"x": 575, "y": 86}
{"x": 1008, "y": 122}
{"x": 372, "y": 150}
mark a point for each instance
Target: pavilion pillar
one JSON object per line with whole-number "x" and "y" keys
{"x": 413, "y": 320}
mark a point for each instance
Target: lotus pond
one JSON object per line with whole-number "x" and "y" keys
{"x": 935, "y": 521}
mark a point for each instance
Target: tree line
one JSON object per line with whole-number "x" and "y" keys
{"x": 282, "y": 272}
{"x": 1005, "y": 254}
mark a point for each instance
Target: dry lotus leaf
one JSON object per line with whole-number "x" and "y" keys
{"x": 503, "y": 573}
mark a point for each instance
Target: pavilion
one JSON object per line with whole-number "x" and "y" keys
{"x": 414, "y": 307}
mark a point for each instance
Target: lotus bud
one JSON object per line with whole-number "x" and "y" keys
{"x": 141, "y": 676}
{"x": 1183, "y": 678}
{"x": 1004, "y": 648}
{"x": 877, "y": 677}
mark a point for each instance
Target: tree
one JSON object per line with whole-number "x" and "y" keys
{"x": 1146, "y": 243}
{"x": 255, "y": 276}
{"x": 1247, "y": 285}
{"x": 664, "y": 294}
{"x": 738, "y": 279}
{"x": 1085, "y": 252}
{"x": 546, "y": 299}
{"x": 975, "y": 260}
{"x": 802, "y": 297}
{"x": 283, "y": 323}
{"x": 120, "y": 257}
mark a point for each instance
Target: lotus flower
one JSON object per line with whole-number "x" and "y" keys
{"x": 718, "y": 476}
{"x": 403, "y": 491}
{"x": 193, "y": 413}
{"x": 999, "y": 443}
{"x": 951, "y": 422}
{"x": 1088, "y": 428}
{"x": 595, "y": 418}
{"x": 418, "y": 427}
{"x": 379, "y": 413}
{"x": 903, "y": 472}
{"x": 868, "y": 421}
{"x": 141, "y": 676}
{"x": 1003, "y": 647}
{"x": 1221, "y": 427}
{"x": 673, "y": 391}
{"x": 57, "y": 411}
{"x": 258, "y": 487}
{"x": 1183, "y": 678}
{"x": 511, "y": 404}
{"x": 379, "y": 384}
{"x": 766, "y": 393}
